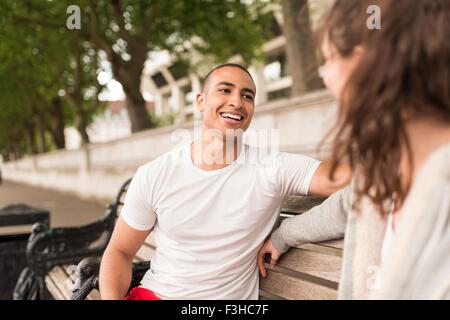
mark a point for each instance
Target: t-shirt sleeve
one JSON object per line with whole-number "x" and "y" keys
{"x": 138, "y": 211}
{"x": 294, "y": 173}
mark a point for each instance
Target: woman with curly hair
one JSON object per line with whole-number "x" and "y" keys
{"x": 393, "y": 128}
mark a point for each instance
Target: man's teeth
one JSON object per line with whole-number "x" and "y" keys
{"x": 232, "y": 116}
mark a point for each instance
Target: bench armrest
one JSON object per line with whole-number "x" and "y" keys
{"x": 87, "y": 276}
{"x": 48, "y": 247}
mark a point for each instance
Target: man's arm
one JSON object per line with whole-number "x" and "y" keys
{"x": 299, "y": 174}
{"x": 322, "y": 185}
{"x": 116, "y": 265}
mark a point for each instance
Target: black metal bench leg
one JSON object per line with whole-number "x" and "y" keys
{"x": 42, "y": 287}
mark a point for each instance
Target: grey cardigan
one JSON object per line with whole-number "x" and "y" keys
{"x": 419, "y": 263}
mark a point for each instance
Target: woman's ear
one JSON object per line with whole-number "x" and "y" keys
{"x": 358, "y": 51}
{"x": 200, "y": 101}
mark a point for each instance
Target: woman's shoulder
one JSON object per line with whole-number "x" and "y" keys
{"x": 437, "y": 166}
{"x": 431, "y": 188}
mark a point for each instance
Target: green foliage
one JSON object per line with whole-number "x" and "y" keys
{"x": 43, "y": 62}
{"x": 39, "y": 67}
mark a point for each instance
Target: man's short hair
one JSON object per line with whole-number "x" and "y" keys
{"x": 234, "y": 65}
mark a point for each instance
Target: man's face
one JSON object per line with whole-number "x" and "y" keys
{"x": 228, "y": 101}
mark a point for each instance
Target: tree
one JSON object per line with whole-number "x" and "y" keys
{"x": 300, "y": 48}
{"x": 23, "y": 78}
{"x": 81, "y": 87}
{"x": 127, "y": 30}
{"x": 50, "y": 80}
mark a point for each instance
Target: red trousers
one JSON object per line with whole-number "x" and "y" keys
{"x": 141, "y": 294}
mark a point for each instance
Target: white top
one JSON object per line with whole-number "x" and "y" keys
{"x": 389, "y": 237}
{"x": 209, "y": 225}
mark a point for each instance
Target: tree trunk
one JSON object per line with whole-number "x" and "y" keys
{"x": 58, "y": 126}
{"x": 129, "y": 75}
{"x": 300, "y": 47}
{"x": 41, "y": 143}
{"x": 30, "y": 137}
{"x": 137, "y": 111}
{"x": 41, "y": 147}
{"x": 81, "y": 124}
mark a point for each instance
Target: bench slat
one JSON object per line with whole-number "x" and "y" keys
{"x": 53, "y": 289}
{"x": 338, "y": 244}
{"x": 62, "y": 281}
{"x": 317, "y": 247}
{"x": 295, "y": 289}
{"x": 264, "y": 295}
{"x": 313, "y": 263}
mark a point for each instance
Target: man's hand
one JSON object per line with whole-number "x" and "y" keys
{"x": 267, "y": 247}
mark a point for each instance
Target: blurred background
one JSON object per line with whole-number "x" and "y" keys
{"x": 90, "y": 90}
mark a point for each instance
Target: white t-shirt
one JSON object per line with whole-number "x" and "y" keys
{"x": 209, "y": 225}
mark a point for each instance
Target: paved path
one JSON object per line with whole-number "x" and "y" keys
{"x": 65, "y": 209}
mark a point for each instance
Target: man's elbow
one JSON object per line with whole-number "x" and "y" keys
{"x": 325, "y": 185}
{"x": 115, "y": 253}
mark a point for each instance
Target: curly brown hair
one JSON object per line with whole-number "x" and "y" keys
{"x": 404, "y": 74}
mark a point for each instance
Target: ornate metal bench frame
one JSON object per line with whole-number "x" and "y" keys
{"x": 48, "y": 247}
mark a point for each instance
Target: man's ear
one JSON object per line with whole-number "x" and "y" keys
{"x": 200, "y": 101}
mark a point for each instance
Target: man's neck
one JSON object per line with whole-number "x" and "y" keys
{"x": 213, "y": 154}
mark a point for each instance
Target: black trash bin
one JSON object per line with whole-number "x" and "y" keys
{"x": 13, "y": 246}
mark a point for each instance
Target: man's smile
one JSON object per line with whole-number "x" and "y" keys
{"x": 231, "y": 115}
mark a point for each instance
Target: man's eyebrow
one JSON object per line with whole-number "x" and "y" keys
{"x": 229, "y": 84}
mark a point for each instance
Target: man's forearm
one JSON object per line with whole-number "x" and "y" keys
{"x": 115, "y": 275}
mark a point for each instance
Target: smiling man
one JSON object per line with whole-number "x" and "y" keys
{"x": 210, "y": 204}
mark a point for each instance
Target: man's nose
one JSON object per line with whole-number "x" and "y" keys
{"x": 235, "y": 100}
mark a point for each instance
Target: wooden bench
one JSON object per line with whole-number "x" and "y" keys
{"x": 308, "y": 272}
